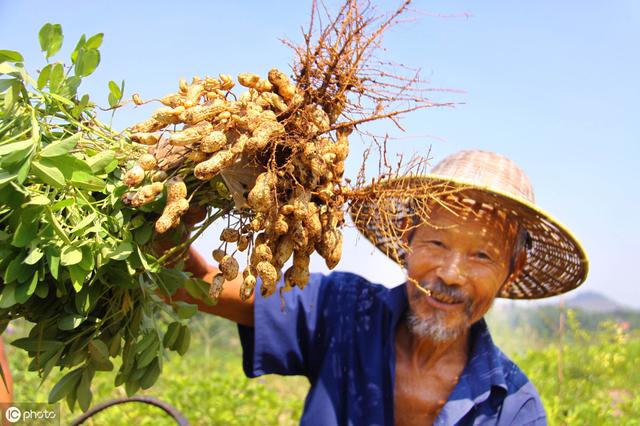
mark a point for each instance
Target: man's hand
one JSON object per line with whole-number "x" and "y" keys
{"x": 229, "y": 305}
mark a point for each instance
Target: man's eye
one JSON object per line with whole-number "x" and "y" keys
{"x": 482, "y": 255}
{"x": 436, "y": 243}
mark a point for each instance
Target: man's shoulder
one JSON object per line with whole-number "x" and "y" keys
{"x": 352, "y": 287}
{"x": 522, "y": 395}
{"x": 496, "y": 368}
{"x": 500, "y": 381}
{"x": 513, "y": 374}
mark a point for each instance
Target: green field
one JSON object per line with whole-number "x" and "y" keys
{"x": 585, "y": 377}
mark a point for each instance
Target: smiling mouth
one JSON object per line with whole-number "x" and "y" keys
{"x": 438, "y": 297}
{"x": 442, "y": 298}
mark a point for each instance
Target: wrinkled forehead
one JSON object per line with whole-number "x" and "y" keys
{"x": 469, "y": 208}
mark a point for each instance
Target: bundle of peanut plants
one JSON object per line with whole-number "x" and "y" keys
{"x": 84, "y": 209}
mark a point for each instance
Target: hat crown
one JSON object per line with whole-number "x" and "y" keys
{"x": 486, "y": 169}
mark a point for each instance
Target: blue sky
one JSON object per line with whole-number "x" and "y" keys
{"x": 552, "y": 85}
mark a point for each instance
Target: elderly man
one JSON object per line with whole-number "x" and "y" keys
{"x": 419, "y": 353}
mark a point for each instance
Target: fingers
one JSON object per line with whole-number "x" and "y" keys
{"x": 194, "y": 215}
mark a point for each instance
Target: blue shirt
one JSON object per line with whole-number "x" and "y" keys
{"x": 339, "y": 332}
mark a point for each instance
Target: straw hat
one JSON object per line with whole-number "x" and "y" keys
{"x": 555, "y": 261}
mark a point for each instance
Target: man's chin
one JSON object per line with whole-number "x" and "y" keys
{"x": 434, "y": 328}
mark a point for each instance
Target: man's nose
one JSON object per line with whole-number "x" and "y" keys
{"x": 451, "y": 270}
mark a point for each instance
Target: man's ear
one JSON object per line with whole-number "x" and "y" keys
{"x": 407, "y": 229}
{"x": 520, "y": 260}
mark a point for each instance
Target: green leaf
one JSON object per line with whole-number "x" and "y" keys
{"x": 35, "y": 127}
{"x": 95, "y": 41}
{"x": 143, "y": 234}
{"x": 84, "y": 223}
{"x": 62, "y": 204}
{"x": 25, "y": 290}
{"x": 15, "y": 146}
{"x": 65, "y": 385}
{"x": 99, "y": 161}
{"x": 115, "y": 94}
{"x": 185, "y": 310}
{"x": 6, "y": 83}
{"x": 6, "y": 176}
{"x": 198, "y": 289}
{"x": 113, "y": 101}
{"x": 84, "y": 180}
{"x": 25, "y": 233}
{"x": 10, "y": 56}
{"x": 98, "y": 349}
{"x": 42, "y": 290}
{"x": 182, "y": 344}
{"x": 102, "y": 365}
{"x": 121, "y": 252}
{"x": 70, "y": 86}
{"x": 150, "y": 375}
{"x": 86, "y": 298}
{"x": 17, "y": 158}
{"x": 33, "y": 344}
{"x": 84, "y": 101}
{"x": 78, "y": 275}
{"x": 37, "y": 200}
{"x": 81, "y": 43}
{"x": 56, "y": 77}
{"x": 68, "y": 164}
{"x": 70, "y": 255}
{"x": 87, "y": 61}
{"x": 51, "y": 362}
{"x": 60, "y": 147}
{"x": 131, "y": 387}
{"x": 8, "y": 69}
{"x": 70, "y": 322}
{"x": 71, "y": 398}
{"x": 8, "y": 296}
{"x": 114, "y": 345}
{"x": 34, "y": 256}
{"x": 53, "y": 260}
{"x": 17, "y": 271}
{"x": 171, "y": 336}
{"x": 147, "y": 341}
{"x": 50, "y": 39}
{"x": 11, "y": 95}
{"x": 147, "y": 356}
{"x": 43, "y": 77}
{"x": 23, "y": 171}
{"x": 48, "y": 174}
{"x": 172, "y": 279}
{"x": 87, "y": 262}
{"x": 119, "y": 275}
{"x": 62, "y": 99}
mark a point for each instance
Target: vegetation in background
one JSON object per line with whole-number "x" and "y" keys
{"x": 586, "y": 373}
{"x": 584, "y": 377}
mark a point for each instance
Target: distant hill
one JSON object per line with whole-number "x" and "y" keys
{"x": 591, "y": 310}
{"x": 591, "y": 301}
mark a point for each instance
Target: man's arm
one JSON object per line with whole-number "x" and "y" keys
{"x": 229, "y": 305}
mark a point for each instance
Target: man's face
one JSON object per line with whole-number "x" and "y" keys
{"x": 463, "y": 261}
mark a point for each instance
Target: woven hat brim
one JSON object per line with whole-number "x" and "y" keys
{"x": 555, "y": 262}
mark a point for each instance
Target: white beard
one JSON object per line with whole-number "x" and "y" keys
{"x": 432, "y": 328}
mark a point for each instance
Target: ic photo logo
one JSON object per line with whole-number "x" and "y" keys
{"x": 30, "y": 413}
{"x": 13, "y": 414}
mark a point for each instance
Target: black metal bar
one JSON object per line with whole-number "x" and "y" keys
{"x": 169, "y": 409}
